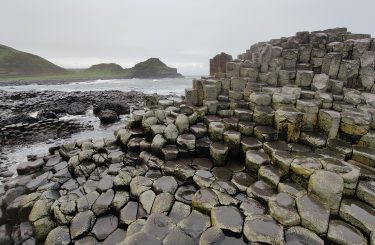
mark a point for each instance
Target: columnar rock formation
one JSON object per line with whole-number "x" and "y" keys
{"x": 218, "y": 64}
{"x": 276, "y": 150}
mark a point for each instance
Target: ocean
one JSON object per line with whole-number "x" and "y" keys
{"x": 165, "y": 86}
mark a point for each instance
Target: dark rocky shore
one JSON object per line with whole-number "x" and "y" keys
{"x": 31, "y": 118}
{"x": 276, "y": 147}
{"x": 19, "y": 125}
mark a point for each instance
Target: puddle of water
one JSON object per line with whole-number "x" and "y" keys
{"x": 18, "y": 153}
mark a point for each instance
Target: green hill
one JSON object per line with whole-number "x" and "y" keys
{"x": 153, "y": 68}
{"x": 18, "y": 63}
{"x": 20, "y": 66}
{"x": 110, "y": 68}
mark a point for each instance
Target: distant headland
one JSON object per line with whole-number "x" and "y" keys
{"x": 16, "y": 65}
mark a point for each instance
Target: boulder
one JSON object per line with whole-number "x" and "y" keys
{"x": 119, "y": 108}
{"x": 108, "y": 116}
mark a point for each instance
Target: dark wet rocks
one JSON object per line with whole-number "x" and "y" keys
{"x": 108, "y": 116}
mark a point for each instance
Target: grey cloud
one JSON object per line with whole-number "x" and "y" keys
{"x": 183, "y": 33}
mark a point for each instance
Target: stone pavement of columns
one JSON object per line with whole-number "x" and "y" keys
{"x": 244, "y": 158}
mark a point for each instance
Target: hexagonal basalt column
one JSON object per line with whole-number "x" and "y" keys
{"x": 288, "y": 123}
{"x": 259, "y": 99}
{"x": 355, "y": 122}
{"x": 218, "y": 153}
{"x": 191, "y": 96}
{"x": 329, "y": 122}
{"x": 212, "y": 106}
{"x": 328, "y": 186}
{"x": 304, "y": 78}
{"x": 216, "y": 131}
{"x": 314, "y": 214}
{"x": 263, "y": 115}
{"x": 209, "y": 92}
{"x": 263, "y": 229}
{"x": 310, "y": 109}
{"x": 186, "y": 142}
{"x": 256, "y": 159}
{"x": 283, "y": 208}
{"x": 302, "y": 167}
{"x": 233, "y": 140}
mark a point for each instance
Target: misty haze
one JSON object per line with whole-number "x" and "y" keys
{"x": 187, "y": 122}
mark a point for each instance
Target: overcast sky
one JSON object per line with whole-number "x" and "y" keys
{"x": 182, "y": 33}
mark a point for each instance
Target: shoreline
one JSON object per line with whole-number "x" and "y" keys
{"x": 67, "y": 81}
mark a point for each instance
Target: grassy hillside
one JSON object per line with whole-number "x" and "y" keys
{"x": 20, "y": 66}
{"x": 105, "y": 68}
{"x": 18, "y": 63}
{"x": 153, "y": 68}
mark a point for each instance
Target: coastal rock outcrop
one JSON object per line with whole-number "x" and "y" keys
{"x": 258, "y": 156}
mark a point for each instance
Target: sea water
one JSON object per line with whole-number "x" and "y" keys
{"x": 165, "y": 86}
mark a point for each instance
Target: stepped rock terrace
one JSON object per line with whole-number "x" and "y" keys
{"x": 278, "y": 148}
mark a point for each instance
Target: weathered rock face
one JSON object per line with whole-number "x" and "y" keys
{"x": 218, "y": 64}
{"x": 278, "y": 149}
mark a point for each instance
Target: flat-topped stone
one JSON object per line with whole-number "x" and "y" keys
{"x": 205, "y": 200}
{"x": 341, "y": 232}
{"x": 263, "y": 229}
{"x": 282, "y": 208}
{"x": 256, "y": 159}
{"x": 300, "y": 235}
{"x": 261, "y": 190}
{"x": 227, "y": 218}
{"x": 314, "y": 214}
{"x": 359, "y": 214}
{"x": 328, "y": 186}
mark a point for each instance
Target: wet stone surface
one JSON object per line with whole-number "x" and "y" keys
{"x": 249, "y": 156}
